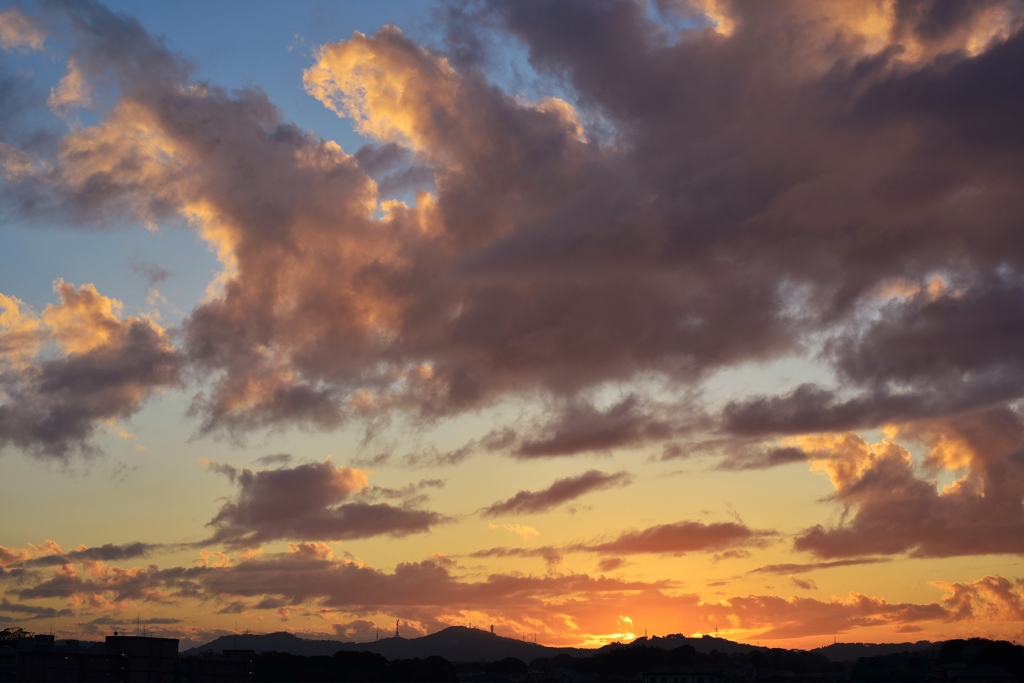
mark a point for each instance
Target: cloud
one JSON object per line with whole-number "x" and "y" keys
{"x": 803, "y": 584}
{"x": 15, "y": 163}
{"x": 929, "y": 354}
{"x": 524, "y": 531}
{"x": 581, "y": 428}
{"x": 991, "y": 598}
{"x": 494, "y": 441}
{"x": 894, "y": 507}
{"x": 108, "y": 552}
{"x": 308, "y": 502}
{"x": 12, "y": 556}
{"x": 773, "y": 617}
{"x": 305, "y": 573}
{"x": 794, "y": 568}
{"x": 609, "y": 564}
{"x": 551, "y": 555}
{"x": 18, "y": 31}
{"x": 153, "y": 273}
{"x": 109, "y": 586}
{"x": 105, "y": 369}
{"x": 73, "y": 91}
{"x": 32, "y": 611}
{"x": 327, "y": 288}
{"x": 561, "y": 491}
{"x": 742, "y": 457}
{"x": 680, "y": 538}
{"x": 627, "y": 235}
{"x": 409, "y": 492}
{"x": 309, "y": 574}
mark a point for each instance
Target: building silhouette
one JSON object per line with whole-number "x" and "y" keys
{"x": 119, "y": 659}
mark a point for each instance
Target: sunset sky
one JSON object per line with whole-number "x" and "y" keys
{"x": 581, "y": 318}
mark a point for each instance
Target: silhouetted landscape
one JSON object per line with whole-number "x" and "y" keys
{"x": 466, "y": 654}
{"x": 459, "y": 643}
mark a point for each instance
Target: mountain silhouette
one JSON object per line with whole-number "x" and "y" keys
{"x": 455, "y": 643}
{"x": 462, "y": 644}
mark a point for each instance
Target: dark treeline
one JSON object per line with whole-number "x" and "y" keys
{"x": 350, "y": 667}
{"x": 976, "y": 651}
{"x": 627, "y": 661}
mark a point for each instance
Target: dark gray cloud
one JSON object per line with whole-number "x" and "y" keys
{"x": 742, "y": 456}
{"x": 274, "y": 459}
{"x": 561, "y": 491}
{"x": 150, "y": 621}
{"x": 107, "y": 552}
{"x": 680, "y": 538}
{"x": 33, "y": 611}
{"x": 361, "y": 589}
{"x": 926, "y": 356}
{"x": 582, "y": 428}
{"x": 311, "y": 501}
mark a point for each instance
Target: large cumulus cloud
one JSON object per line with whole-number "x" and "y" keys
{"x": 757, "y": 183}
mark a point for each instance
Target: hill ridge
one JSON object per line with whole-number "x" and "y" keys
{"x": 466, "y": 644}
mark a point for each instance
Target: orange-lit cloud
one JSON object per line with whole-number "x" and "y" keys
{"x": 431, "y": 594}
{"x": 72, "y": 91}
{"x": 107, "y": 366}
{"x": 895, "y": 507}
{"x": 19, "y": 31}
